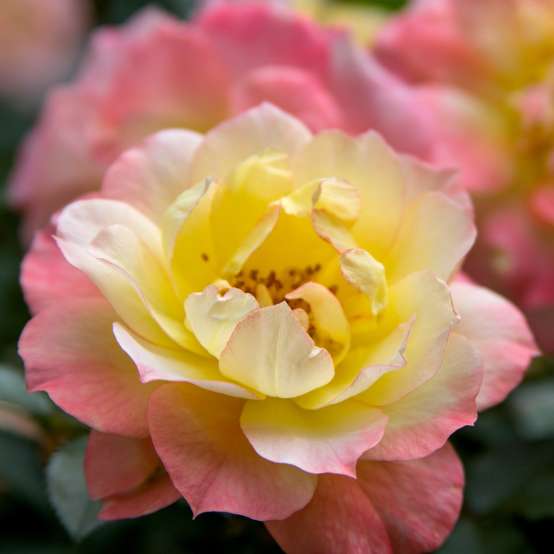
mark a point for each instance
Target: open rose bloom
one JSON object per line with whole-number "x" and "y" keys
{"x": 194, "y": 75}
{"x": 264, "y": 321}
{"x": 39, "y": 40}
{"x": 485, "y": 69}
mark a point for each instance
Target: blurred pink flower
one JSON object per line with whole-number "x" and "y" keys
{"x": 267, "y": 322}
{"x": 485, "y": 69}
{"x": 157, "y": 72}
{"x": 39, "y": 41}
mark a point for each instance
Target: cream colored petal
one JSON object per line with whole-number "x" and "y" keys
{"x": 292, "y": 243}
{"x": 81, "y": 221}
{"x": 253, "y": 132}
{"x": 271, "y": 353}
{"x": 117, "y": 289}
{"x": 244, "y": 198}
{"x": 163, "y": 364}
{"x": 252, "y": 242}
{"x": 179, "y": 211}
{"x": 188, "y": 229}
{"x": 300, "y": 201}
{"x": 327, "y": 317}
{"x": 332, "y": 230}
{"x": 329, "y": 440}
{"x": 365, "y": 273}
{"x": 436, "y": 234}
{"x": 361, "y": 368}
{"x": 426, "y": 299}
{"x": 369, "y": 165}
{"x": 119, "y": 247}
{"x": 339, "y": 199}
{"x": 214, "y": 313}
{"x": 333, "y": 206}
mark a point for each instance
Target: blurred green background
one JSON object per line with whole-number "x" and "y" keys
{"x": 508, "y": 455}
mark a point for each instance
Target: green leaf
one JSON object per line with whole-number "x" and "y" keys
{"x": 68, "y": 490}
{"x": 13, "y": 391}
{"x": 532, "y": 407}
{"x": 21, "y": 470}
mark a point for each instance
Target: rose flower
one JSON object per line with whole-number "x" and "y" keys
{"x": 485, "y": 69}
{"x": 264, "y": 321}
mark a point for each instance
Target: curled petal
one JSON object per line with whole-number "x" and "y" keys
{"x": 370, "y": 166}
{"x": 284, "y": 363}
{"x": 331, "y": 325}
{"x": 363, "y": 271}
{"x": 214, "y": 313}
{"x": 155, "y": 363}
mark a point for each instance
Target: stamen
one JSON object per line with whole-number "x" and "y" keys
{"x": 263, "y": 296}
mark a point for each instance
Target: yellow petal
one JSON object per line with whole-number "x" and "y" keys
{"x": 370, "y": 166}
{"x": 163, "y": 364}
{"x": 243, "y": 198}
{"x": 117, "y": 289}
{"x": 329, "y": 440}
{"x": 271, "y": 353}
{"x": 119, "y": 247}
{"x": 333, "y": 231}
{"x": 436, "y": 234}
{"x": 427, "y": 299}
{"x": 333, "y": 196}
{"x": 187, "y": 227}
{"x": 339, "y": 199}
{"x": 81, "y": 221}
{"x": 179, "y": 211}
{"x": 361, "y": 368}
{"x": 251, "y": 242}
{"x": 365, "y": 273}
{"x": 261, "y": 129}
{"x": 214, "y": 313}
{"x": 331, "y": 325}
{"x": 292, "y": 243}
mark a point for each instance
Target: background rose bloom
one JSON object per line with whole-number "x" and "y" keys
{"x": 38, "y": 43}
{"x": 194, "y": 75}
{"x": 485, "y": 69}
{"x": 362, "y": 20}
{"x": 265, "y": 322}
